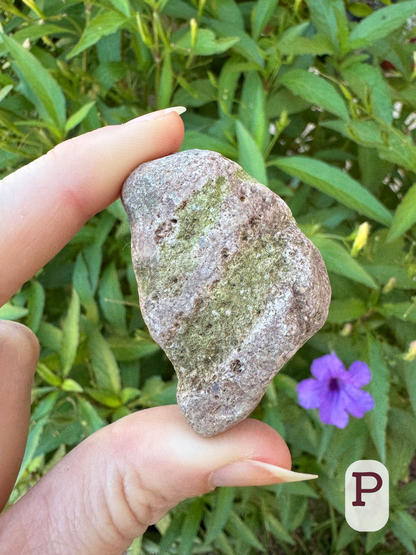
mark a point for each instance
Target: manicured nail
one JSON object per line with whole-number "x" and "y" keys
{"x": 159, "y": 114}
{"x": 255, "y": 473}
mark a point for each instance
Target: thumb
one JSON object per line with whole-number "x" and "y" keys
{"x": 125, "y": 477}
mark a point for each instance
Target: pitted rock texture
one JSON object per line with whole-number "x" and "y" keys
{"x": 229, "y": 286}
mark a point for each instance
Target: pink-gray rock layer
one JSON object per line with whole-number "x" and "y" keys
{"x": 229, "y": 286}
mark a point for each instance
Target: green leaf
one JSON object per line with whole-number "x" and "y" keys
{"x": 111, "y": 299}
{"x": 379, "y": 389}
{"x": 32, "y": 444}
{"x": 224, "y": 504}
{"x": 295, "y": 511}
{"x": 190, "y": 526}
{"x": 316, "y": 90}
{"x": 240, "y": 529}
{"x": 47, "y": 375}
{"x": 37, "y": 30}
{"x": 36, "y": 305}
{"x": 71, "y": 385}
{"x": 249, "y": 155}
{"x": 407, "y": 493}
{"x": 403, "y": 311}
{"x": 391, "y": 143}
{"x": 93, "y": 255}
{"x": 104, "y": 364}
{"x": 123, "y": 6}
{"x": 373, "y": 538}
{"x": 330, "y": 19}
{"x": 245, "y": 46}
{"x": 410, "y": 379}
{"x": 57, "y": 433}
{"x": 49, "y": 96}
{"x": 252, "y": 109}
{"x": 278, "y": 530}
{"x": 401, "y": 434}
{"x": 104, "y": 23}
{"x": 194, "y": 139}
{"x": 260, "y": 16}
{"x": 229, "y": 12}
{"x": 366, "y": 82}
{"x": 79, "y": 116}
{"x": 227, "y": 85}
{"x": 403, "y": 528}
{"x": 117, "y": 210}
{"x": 44, "y": 407}
{"x": 50, "y": 336}
{"x": 405, "y": 215}
{"x": 283, "y": 99}
{"x": 359, "y": 10}
{"x": 338, "y": 260}
{"x": 406, "y": 522}
{"x": 171, "y": 533}
{"x": 132, "y": 348}
{"x": 70, "y": 334}
{"x": 89, "y": 415}
{"x": 223, "y": 545}
{"x": 11, "y": 312}
{"x": 128, "y": 394}
{"x": 105, "y": 397}
{"x": 345, "y": 536}
{"x": 5, "y": 91}
{"x": 341, "y": 311}
{"x": 165, "y": 90}
{"x": 298, "y": 46}
{"x": 206, "y": 43}
{"x": 82, "y": 285}
{"x": 335, "y": 183}
{"x": 381, "y": 23}
{"x": 194, "y": 94}
{"x": 39, "y": 418}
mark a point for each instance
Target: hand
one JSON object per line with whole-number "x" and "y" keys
{"x": 123, "y": 478}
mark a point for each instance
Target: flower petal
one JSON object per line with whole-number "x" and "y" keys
{"x": 332, "y": 410}
{"x": 359, "y": 374}
{"x": 357, "y": 402}
{"x": 310, "y": 393}
{"x": 327, "y": 367}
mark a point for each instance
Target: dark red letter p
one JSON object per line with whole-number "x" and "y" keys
{"x": 358, "y": 486}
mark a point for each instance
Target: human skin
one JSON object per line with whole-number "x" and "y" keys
{"x": 126, "y": 476}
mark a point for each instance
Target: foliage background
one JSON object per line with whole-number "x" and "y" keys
{"x": 316, "y": 100}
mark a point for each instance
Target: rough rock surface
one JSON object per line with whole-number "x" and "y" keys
{"x": 229, "y": 286}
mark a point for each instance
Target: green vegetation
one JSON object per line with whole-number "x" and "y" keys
{"x": 319, "y": 106}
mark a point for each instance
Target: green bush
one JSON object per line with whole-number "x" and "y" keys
{"x": 316, "y": 100}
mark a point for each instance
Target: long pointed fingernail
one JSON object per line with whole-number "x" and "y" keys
{"x": 159, "y": 114}
{"x": 255, "y": 473}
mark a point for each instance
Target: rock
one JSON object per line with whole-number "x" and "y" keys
{"x": 229, "y": 286}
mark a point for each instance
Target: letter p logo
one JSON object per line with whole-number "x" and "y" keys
{"x": 367, "y": 495}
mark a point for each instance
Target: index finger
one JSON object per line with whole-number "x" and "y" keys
{"x": 45, "y": 203}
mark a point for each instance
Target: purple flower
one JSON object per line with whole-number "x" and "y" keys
{"x": 335, "y": 391}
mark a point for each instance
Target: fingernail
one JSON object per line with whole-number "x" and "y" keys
{"x": 159, "y": 114}
{"x": 255, "y": 473}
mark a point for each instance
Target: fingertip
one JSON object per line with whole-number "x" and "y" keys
{"x": 19, "y": 346}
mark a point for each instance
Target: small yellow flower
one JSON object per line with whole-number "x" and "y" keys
{"x": 346, "y": 330}
{"x": 194, "y": 31}
{"x": 389, "y": 285}
{"x": 411, "y": 353}
{"x": 361, "y": 239}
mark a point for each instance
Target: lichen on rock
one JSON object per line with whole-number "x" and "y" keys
{"x": 229, "y": 286}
